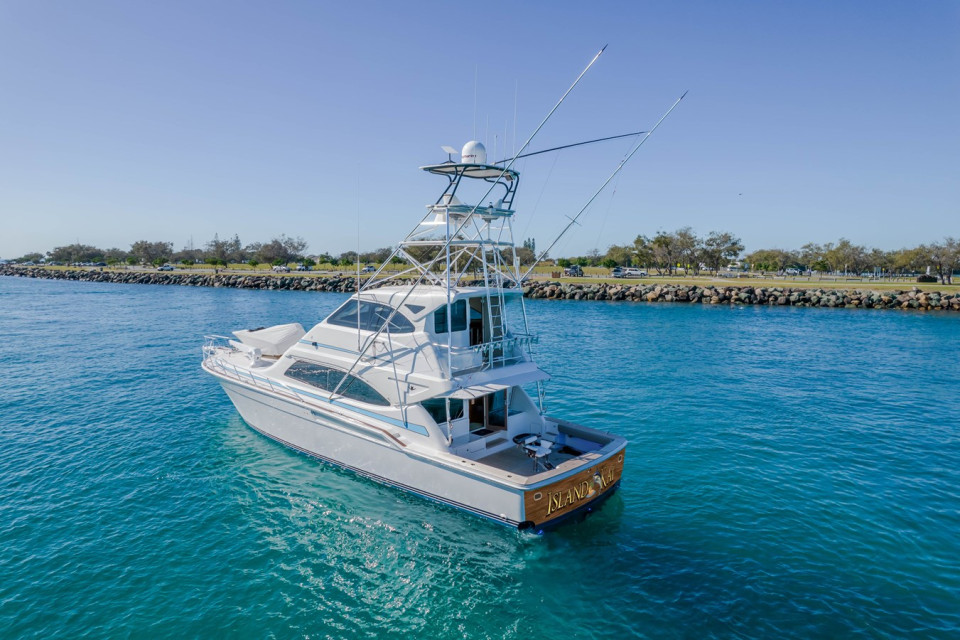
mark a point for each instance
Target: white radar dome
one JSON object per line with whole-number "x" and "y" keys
{"x": 473, "y": 153}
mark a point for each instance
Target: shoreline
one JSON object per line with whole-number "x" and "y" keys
{"x": 865, "y": 298}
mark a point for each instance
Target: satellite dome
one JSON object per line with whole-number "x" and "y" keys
{"x": 473, "y": 153}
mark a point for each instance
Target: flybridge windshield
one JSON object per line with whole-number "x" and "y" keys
{"x": 371, "y": 317}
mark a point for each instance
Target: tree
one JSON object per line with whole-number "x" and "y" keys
{"x": 771, "y": 259}
{"x": 686, "y": 244}
{"x": 235, "y": 252}
{"x": 296, "y": 246}
{"x": 810, "y": 255}
{"x": 906, "y": 261}
{"x": 665, "y": 252}
{"x": 943, "y": 257}
{"x": 281, "y": 248}
{"x": 379, "y": 256}
{"x": 954, "y": 246}
{"x": 526, "y": 255}
{"x": 253, "y": 263}
{"x": 75, "y": 253}
{"x": 643, "y": 251}
{"x": 217, "y": 249}
{"x": 115, "y": 255}
{"x": 846, "y": 256}
{"x": 620, "y": 255}
{"x": 880, "y": 259}
{"x": 720, "y": 247}
{"x": 147, "y": 252}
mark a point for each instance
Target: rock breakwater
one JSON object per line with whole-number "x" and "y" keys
{"x": 642, "y": 292}
{"x": 744, "y": 295}
{"x": 191, "y": 279}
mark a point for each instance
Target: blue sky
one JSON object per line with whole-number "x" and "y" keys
{"x": 805, "y": 121}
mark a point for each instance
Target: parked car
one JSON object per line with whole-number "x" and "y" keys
{"x": 632, "y": 272}
{"x": 368, "y": 269}
{"x": 303, "y": 267}
{"x": 574, "y": 271}
{"x": 165, "y": 267}
{"x": 792, "y": 272}
{"x": 281, "y": 268}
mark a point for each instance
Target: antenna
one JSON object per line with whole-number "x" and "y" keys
{"x": 505, "y": 122}
{"x": 623, "y": 162}
{"x": 447, "y": 149}
{"x": 516, "y": 91}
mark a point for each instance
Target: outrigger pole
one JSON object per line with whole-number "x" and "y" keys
{"x": 442, "y": 251}
{"x": 575, "y": 144}
{"x": 623, "y": 162}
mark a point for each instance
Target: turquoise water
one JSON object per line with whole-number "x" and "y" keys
{"x": 791, "y": 473}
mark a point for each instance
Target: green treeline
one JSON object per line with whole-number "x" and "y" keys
{"x": 683, "y": 249}
{"x": 665, "y": 253}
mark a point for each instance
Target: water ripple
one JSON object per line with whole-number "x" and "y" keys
{"x": 791, "y": 473}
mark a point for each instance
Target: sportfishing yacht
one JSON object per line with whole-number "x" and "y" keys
{"x": 425, "y": 379}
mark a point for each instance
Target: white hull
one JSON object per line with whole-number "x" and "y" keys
{"x": 368, "y": 450}
{"x": 335, "y": 440}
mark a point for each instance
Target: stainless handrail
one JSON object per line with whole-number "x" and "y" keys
{"x": 213, "y": 346}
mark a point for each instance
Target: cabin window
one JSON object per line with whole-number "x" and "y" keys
{"x": 458, "y": 317}
{"x": 371, "y": 317}
{"x": 327, "y": 378}
{"x": 437, "y": 408}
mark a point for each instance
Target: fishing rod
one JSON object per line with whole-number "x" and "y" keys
{"x": 423, "y": 272}
{"x": 575, "y": 144}
{"x": 623, "y": 162}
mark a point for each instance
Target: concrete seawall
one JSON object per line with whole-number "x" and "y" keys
{"x": 642, "y": 292}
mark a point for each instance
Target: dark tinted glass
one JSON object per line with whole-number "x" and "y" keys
{"x": 327, "y": 378}
{"x": 437, "y": 407}
{"x": 371, "y": 317}
{"x": 458, "y": 317}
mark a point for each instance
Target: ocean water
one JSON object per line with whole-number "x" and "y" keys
{"x": 791, "y": 473}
